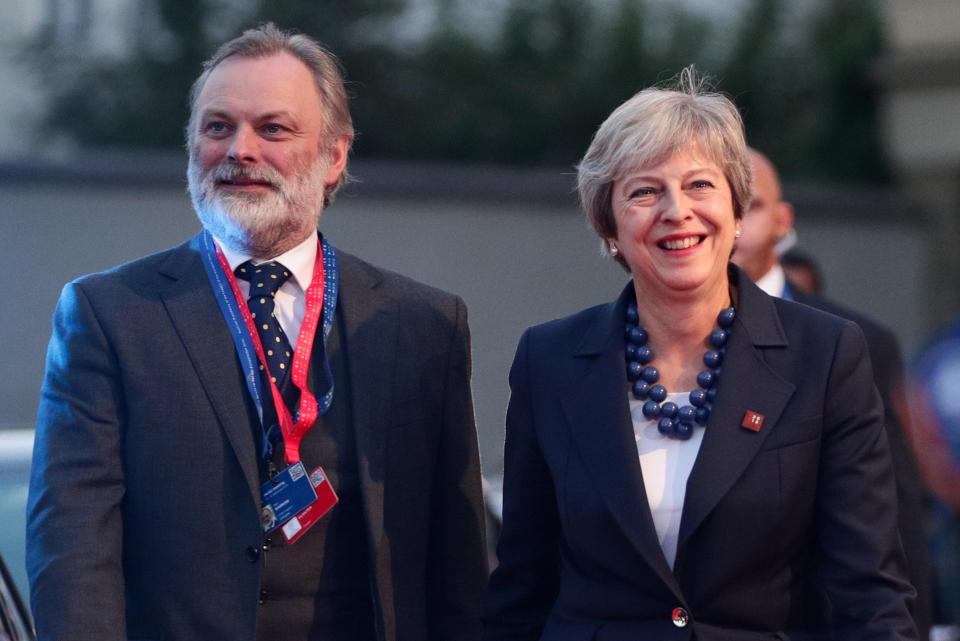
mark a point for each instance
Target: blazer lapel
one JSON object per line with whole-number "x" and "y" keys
{"x": 747, "y": 384}
{"x": 188, "y": 299}
{"x": 370, "y": 340}
{"x": 599, "y": 415}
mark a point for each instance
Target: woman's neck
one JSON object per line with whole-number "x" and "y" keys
{"x": 678, "y": 327}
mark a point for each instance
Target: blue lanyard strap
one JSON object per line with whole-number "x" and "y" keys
{"x": 242, "y": 340}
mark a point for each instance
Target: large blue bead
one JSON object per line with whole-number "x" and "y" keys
{"x": 712, "y": 394}
{"x": 665, "y": 426}
{"x": 640, "y": 389}
{"x": 650, "y": 374}
{"x": 634, "y": 369}
{"x": 686, "y": 414}
{"x": 632, "y": 315}
{"x": 712, "y": 359}
{"x": 683, "y": 431}
{"x": 658, "y": 393}
{"x": 651, "y": 409}
{"x": 631, "y": 352}
{"x": 668, "y": 409}
{"x": 703, "y": 415}
{"x": 637, "y": 335}
{"x": 718, "y": 337}
{"x": 698, "y": 398}
{"x": 644, "y": 354}
{"x": 705, "y": 379}
{"x": 725, "y": 318}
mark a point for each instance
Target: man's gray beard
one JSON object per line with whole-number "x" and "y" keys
{"x": 261, "y": 225}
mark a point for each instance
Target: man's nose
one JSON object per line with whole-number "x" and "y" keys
{"x": 245, "y": 146}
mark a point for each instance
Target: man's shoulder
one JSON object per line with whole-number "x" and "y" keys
{"x": 390, "y": 283}
{"x": 140, "y": 271}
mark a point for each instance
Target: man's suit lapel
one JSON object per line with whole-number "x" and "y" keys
{"x": 370, "y": 341}
{"x": 188, "y": 299}
{"x": 596, "y": 407}
{"x": 747, "y": 384}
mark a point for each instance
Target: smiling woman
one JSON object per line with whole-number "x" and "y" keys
{"x": 675, "y": 225}
{"x": 694, "y": 459}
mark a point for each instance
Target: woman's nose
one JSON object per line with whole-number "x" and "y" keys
{"x": 674, "y": 208}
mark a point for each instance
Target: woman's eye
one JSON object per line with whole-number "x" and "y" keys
{"x": 642, "y": 192}
{"x": 702, "y": 184}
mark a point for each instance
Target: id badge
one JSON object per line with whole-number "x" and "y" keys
{"x": 308, "y": 517}
{"x": 284, "y": 495}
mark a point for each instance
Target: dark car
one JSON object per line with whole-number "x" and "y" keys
{"x": 15, "y": 622}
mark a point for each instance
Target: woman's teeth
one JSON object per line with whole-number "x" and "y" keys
{"x": 681, "y": 243}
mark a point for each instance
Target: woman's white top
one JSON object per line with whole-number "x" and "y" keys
{"x": 666, "y": 464}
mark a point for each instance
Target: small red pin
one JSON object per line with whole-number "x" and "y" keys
{"x": 752, "y": 421}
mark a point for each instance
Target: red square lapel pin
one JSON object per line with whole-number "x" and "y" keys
{"x": 752, "y": 421}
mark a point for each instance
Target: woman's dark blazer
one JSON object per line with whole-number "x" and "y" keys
{"x": 787, "y": 532}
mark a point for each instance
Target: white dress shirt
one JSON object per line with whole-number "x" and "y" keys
{"x": 666, "y": 464}
{"x": 290, "y": 303}
{"x": 774, "y": 281}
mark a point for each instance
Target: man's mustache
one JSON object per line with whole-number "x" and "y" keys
{"x": 235, "y": 173}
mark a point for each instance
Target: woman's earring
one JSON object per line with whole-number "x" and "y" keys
{"x": 736, "y": 236}
{"x": 614, "y": 250}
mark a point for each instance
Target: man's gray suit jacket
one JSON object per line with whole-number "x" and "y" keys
{"x": 143, "y": 514}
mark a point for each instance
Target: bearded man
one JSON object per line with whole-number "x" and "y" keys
{"x": 255, "y": 435}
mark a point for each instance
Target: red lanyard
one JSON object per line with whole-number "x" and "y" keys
{"x": 293, "y": 430}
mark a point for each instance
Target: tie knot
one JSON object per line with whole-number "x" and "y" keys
{"x": 265, "y": 278}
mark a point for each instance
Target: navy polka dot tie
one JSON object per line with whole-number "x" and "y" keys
{"x": 265, "y": 279}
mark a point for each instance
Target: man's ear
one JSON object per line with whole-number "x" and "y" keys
{"x": 784, "y": 218}
{"x": 337, "y": 159}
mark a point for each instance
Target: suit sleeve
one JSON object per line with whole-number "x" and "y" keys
{"x": 526, "y": 582}
{"x": 888, "y": 374}
{"x": 457, "y": 565}
{"x": 74, "y": 522}
{"x": 863, "y": 565}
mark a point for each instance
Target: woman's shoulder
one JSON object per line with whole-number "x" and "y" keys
{"x": 809, "y": 331}
{"x": 800, "y": 316}
{"x": 573, "y": 326}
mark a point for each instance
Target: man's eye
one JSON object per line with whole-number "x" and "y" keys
{"x": 273, "y": 128}
{"x": 215, "y": 127}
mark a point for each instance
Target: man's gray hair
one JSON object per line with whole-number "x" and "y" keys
{"x": 652, "y": 126}
{"x": 267, "y": 40}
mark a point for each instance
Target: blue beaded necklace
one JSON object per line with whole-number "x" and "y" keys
{"x": 675, "y": 421}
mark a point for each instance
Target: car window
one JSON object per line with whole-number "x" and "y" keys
{"x": 15, "y": 622}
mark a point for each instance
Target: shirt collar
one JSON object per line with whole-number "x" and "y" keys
{"x": 300, "y": 260}
{"x": 773, "y": 282}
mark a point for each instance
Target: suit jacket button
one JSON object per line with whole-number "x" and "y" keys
{"x": 680, "y": 617}
{"x": 263, "y": 597}
{"x": 252, "y": 553}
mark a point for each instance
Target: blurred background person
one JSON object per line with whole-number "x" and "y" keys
{"x": 647, "y": 496}
{"x": 767, "y": 220}
{"x": 932, "y": 398}
{"x": 802, "y": 270}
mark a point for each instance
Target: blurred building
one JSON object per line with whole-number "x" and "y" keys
{"x": 922, "y": 94}
{"x": 78, "y": 30}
